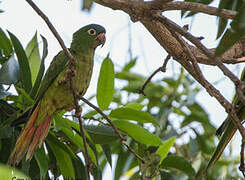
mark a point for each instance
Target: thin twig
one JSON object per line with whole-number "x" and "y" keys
{"x": 123, "y": 140}
{"x": 242, "y": 167}
{"x": 162, "y": 68}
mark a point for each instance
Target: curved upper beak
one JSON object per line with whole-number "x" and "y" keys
{"x": 100, "y": 40}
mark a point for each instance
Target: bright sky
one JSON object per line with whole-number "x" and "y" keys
{"x": 20, "y": 19}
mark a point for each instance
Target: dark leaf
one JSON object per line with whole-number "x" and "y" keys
{"x": 107, "y": 150}
{"x": 10, "y": 72}
{"x": 5, "y": 44}
{"x": 179, "y": 163}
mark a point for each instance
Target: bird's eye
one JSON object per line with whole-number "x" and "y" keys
{"x": 91, "y": 32}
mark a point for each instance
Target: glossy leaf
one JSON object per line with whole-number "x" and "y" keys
{"x": 32, "y": 53}
{"x": 132, "y": 114}
{"x": 105, "y": 87}
{"x": 25, "y": 72}
{"x": 165, "y": 147}
{"x": 138, "y": 133}
{"x": 179, "y": 163}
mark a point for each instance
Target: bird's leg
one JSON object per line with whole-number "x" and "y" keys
{"x": 78, "y": 111}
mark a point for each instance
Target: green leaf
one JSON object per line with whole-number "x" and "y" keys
{"x": 105, "y": 87}
{"x": 79, "y": 169}
{"x": 26, "y": 96}
{"x": 77, "y": 139}
{"x": 138, "y": 133}
{"x": 135, "y": 106}
{"x": 54, "y": 140}
{"x": 179, "y": 163}
{"x": 42, "y": 161}
{"x": 41, "y": 68}
{"x": 128, "y": 66}
{"x": 10, "y": 72}
{"x": 107, "y": 150}
{"x": 101, "y": 134}
{"x": 32, "y": 53}
{"x": 63, "y": 159}
{"x": 11, "y": 173}
{"x": 165, "y": 147}
{"x": 132, "y": 114}
{"x": 25, "y": 72}
{"x": 168, "y": 176}
{"x": 5, "y": 44}
{"x": 221, "y": 27}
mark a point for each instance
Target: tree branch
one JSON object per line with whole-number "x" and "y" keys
{"x": 164, "y": 37}
{"x": 190, "y": 6}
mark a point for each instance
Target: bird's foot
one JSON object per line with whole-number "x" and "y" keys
{"x": 65, "y": 78}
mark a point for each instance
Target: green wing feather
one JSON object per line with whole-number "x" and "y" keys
{"x": 228, "y": 128}
{"x": 58, "y": 64}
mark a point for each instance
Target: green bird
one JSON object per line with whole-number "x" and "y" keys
{"x": 55, "y": 94}
{"x": 228, "y": 129}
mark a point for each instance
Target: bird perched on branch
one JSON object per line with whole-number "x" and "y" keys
{"x": 228, "y": 128}
{"x": 55, "y": 94}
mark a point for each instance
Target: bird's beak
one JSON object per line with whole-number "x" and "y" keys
{"x": 100, "y": 40}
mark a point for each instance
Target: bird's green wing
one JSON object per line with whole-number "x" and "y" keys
{"x": 56, "y": 67}
{"x": 228, "y": 128}
{"x": 58, "y": 63}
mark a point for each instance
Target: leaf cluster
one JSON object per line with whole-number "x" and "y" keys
{"x": 168, "y": 128}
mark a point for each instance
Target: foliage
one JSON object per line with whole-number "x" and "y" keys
{"x": 168, "y": 128}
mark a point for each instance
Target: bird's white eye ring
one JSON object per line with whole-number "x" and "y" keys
{"x": 91, "y": 31}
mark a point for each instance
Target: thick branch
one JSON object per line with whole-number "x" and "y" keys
{"x": 165, "y": 38}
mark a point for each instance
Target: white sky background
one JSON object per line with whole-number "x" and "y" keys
{"x": 20, "y": 19}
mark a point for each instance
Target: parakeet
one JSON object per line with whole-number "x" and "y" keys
{"x": 54, "y": 94}
{"x": 228, "y": 129}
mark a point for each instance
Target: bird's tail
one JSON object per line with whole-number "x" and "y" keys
{"x": 30, "y": 138}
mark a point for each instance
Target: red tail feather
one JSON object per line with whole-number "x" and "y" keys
{"x": 30, "y": 137}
